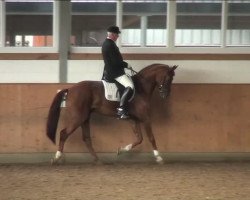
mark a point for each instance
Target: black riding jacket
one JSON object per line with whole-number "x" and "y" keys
{"x": 114, "y": 64}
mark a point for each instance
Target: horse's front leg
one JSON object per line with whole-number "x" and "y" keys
{"x": 139, "y": 138}
{"x": 149, "y": 132}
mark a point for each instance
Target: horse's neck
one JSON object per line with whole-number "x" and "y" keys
{"x": 146, "y": 84}
{"x": 148, "y": 76}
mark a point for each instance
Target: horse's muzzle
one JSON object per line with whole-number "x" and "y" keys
{"x": 164, "y": 95}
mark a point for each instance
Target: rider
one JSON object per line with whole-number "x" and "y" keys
{"x": 114, "y": 68}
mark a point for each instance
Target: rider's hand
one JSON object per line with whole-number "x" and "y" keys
{"x": 129, "y": 66}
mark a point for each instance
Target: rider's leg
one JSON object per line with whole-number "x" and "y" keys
{"x": 122, "y": 110}
{"x": 129, "y": 86}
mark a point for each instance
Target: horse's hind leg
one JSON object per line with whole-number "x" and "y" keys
{"x": 64, "y": 134}
{"x": 139, "y": 138}
{"x": 151, "y": 138}
{"x": 87, "y": 139}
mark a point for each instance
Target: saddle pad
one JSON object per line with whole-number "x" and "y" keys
{"x": 111, "y": 91}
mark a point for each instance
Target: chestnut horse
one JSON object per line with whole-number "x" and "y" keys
{"x": 87, "y": 97}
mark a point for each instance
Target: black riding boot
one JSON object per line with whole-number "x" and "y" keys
{"x": 122, "y": 110}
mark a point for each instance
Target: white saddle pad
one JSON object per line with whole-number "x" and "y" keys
{"x": 111, "y": 91}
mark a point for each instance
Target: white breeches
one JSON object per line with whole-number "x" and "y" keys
{"x": 125, "y": 81}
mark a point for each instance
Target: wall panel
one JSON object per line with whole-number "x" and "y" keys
{"x": 195, "y": 118}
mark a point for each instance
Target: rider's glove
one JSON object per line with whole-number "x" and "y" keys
{"x": 129, "y": 66}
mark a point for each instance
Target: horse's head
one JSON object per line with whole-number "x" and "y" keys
{"x": 164, "y": 80}
{"x": 155, "y": 75}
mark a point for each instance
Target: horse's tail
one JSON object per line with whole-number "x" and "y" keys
{"x": 53, "y": 116}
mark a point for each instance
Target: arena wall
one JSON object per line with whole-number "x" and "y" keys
{"x": 206, "y": 112}
{"x": 195, "y": 118}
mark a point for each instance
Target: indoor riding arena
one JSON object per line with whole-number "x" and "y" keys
{"x": 196, "y": 141}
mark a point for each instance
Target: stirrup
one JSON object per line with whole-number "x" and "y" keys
{"x": 122, "y": 113}
{"x": 124, "y": 116}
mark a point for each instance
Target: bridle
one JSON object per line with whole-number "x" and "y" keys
{"x": 164, "y": 87}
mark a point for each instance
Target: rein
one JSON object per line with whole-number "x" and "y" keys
{"x": 133, "y": 72}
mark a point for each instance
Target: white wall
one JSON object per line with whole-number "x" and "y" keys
{"x": 189, "y": 71}
{"x": 29, "y": 71}
{"x": 79, "y": 70}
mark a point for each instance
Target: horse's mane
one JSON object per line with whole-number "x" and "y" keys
{"x": 152, "y": 68}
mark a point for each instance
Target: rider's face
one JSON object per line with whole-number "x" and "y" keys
{"x": 115, "y": 36}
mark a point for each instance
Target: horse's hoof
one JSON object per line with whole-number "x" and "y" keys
{"x": 159, "y": 160}
{"x": 53, "y": 161}
{"x": 63, "y": 160}
{"x": 97, "y": 162}
{"x": 119, "y": 151}
{"x": 56, "y": 161}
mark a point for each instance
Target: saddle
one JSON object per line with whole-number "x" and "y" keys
{"x": 112, "y": 90}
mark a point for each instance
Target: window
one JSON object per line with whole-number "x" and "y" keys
{"x": 198, "y": 23}
{"x": 238, "y": 26}
{"x": 192, "y": 23}
{"x": 90, "y": 20}
{"x": 29, "y": 23}
{"x": 144, "y": 23}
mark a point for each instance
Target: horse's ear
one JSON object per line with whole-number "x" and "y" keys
{"x": 174, "y": 67}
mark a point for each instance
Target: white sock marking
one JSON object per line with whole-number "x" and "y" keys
{"x": 58, "y": 154}
{"x": 156, "y": 153}
{"x": 126, "y": 148}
